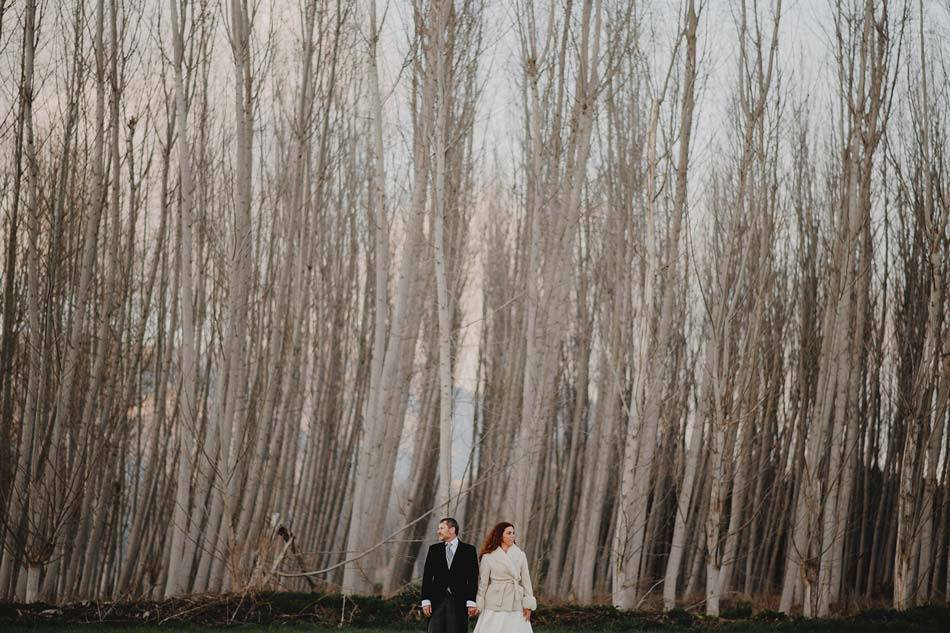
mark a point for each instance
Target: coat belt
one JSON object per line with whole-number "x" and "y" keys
{"x": 512, "y": 590}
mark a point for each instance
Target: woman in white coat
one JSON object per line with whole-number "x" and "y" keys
{"x": 505, "y": 598}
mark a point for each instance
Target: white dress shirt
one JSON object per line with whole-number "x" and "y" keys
{"x": 453, "y": 546}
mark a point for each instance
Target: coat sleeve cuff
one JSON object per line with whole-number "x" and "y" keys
{"x": 426, "y": 603}
{"x": 529, "y": 602}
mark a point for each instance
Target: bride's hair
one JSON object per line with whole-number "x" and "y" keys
{"x": 493, "y": 540}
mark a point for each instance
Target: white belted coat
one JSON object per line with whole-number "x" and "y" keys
{"x": 504, "y": 583}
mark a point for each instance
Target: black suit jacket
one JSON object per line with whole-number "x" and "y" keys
{"x": 462, "y": 579}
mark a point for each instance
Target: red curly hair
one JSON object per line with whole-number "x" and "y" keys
{"x": 493, "y": 540}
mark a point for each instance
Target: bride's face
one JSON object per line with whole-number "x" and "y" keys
{"x": 508, "y": 536}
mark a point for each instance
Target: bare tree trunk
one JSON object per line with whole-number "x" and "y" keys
{"x": 179, "y": 567}
{"x": 684, "y": 497}
{"x": 865, "y": 101}
{"x": 231, "y": 395}
{"x": 17, "y": 504}
{"x": 438, "y": 49}
{"x": 653, "y": 330}
{"x": 377, "y": 449}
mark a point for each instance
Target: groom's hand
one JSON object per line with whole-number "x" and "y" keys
{"x": 472, "y": 612}
{"x": 427, "y": 610}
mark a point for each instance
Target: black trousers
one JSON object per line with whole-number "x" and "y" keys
{"x": 450, "y": 616}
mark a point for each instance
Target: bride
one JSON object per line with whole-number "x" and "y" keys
{"x": 505, "y": 599}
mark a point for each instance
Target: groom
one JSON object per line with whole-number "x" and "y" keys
{"x": 450, "y": 581}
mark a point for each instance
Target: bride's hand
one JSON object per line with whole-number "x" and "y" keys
{"x": 527, "y": 615}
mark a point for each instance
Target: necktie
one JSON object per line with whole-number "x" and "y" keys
{"x": 449, "y": 555}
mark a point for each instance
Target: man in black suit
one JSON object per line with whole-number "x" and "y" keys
{"x": 450, "y": 581}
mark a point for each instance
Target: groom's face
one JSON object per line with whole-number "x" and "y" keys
{"x": 446, "y": 532}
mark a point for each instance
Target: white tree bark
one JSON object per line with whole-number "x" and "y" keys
{"x": 179, "y": 568}
{"x": 652, "y": 331}
{"x": 439, "y": 50}
{"x": 696, "y": 422}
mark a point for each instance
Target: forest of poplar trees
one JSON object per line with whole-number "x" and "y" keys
{"x": 701, "y": 276}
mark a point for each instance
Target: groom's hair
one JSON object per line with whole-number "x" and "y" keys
{"x": 452, "y": 523}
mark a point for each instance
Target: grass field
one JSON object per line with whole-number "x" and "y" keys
{"x": 736, "y": 627}
{"x": 317, "y": 613}
{"x": 917, "y": 621}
